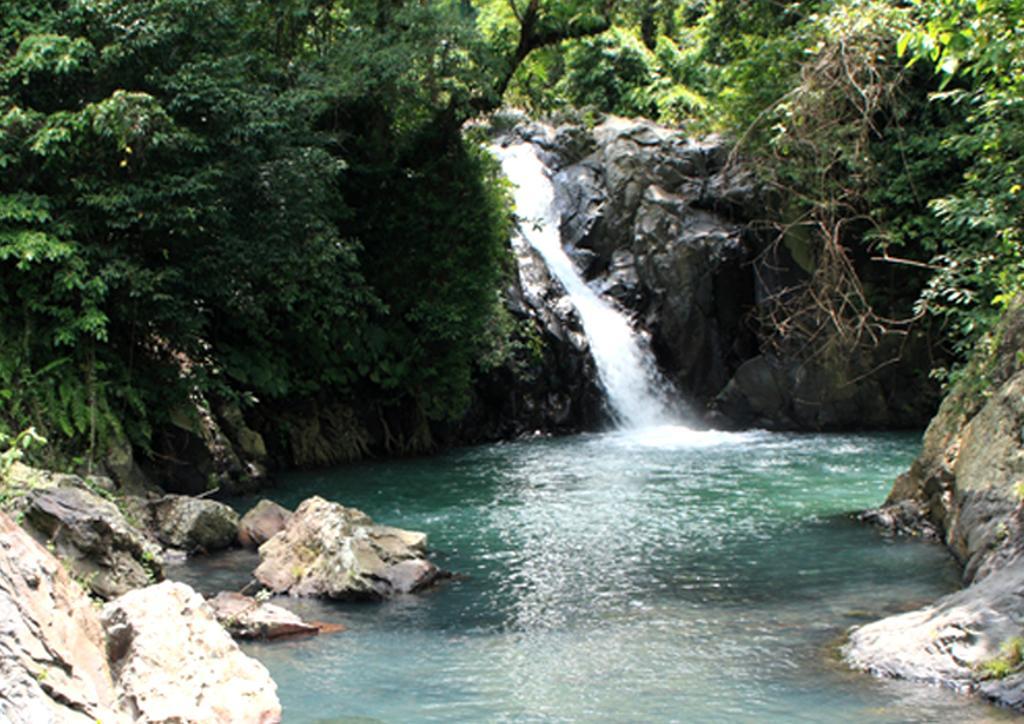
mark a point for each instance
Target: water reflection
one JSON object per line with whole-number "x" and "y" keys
{"x": 625, "y": 577}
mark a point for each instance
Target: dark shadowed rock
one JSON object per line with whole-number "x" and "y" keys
{"x": 53, "y": 665}
{"x": 337, "y": 552}
{"x": 195, "y": 523}
{"x": 173, "y": 662}
{"x": 91, "y": 536}
{"x": 247, "y": 618}
{"x": 263, "y": 521}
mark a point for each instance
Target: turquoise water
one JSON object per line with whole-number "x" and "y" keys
{"x": 647, "y": 576}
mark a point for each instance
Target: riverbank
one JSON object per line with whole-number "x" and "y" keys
{"x": 966, "y": 487}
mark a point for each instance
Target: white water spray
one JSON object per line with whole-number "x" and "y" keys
{"x": 637, "y": 392}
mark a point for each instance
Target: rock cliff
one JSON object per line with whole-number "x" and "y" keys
{"x": 967, "y": 485}
{"x": 670, "y": 230}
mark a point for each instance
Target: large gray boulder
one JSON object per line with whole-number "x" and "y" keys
{"x": 195, "y": 524}
{"x": 53, "y": 664}
{"x": 337, "y": 552}
{"x": 173, "y": 662}
{"x": 93, "y": 539}
{"x": 947, "y": 642}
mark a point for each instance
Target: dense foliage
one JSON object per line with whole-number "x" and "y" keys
{"x": 891, "y": 131}
{"x": 262, "y": 203}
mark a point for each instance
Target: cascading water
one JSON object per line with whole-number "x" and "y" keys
{"x": 637, "y": 392}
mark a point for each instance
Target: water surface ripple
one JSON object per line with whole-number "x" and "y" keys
{"x": 659, "y": 575}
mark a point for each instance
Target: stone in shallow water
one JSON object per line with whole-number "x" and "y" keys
{"x": 247, "y": 618}
{"x": 195, "y": 523}
{"x": 337, "y": 552}
{"x": 263, "y": 521}
{"x": 946, "y": 642}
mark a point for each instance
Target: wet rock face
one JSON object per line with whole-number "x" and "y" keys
{"x": 337, "y": 552}
{"x": 172, "y": 661}
{"x": 53, "y": 665}
{"x": 665, "y": 227}
{"x": 549, "y": 382}
{"x": 90, "y": 534}
{"x": 656, "y": 223}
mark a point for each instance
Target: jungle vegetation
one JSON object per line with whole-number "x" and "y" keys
{"x": 273, "y": 203}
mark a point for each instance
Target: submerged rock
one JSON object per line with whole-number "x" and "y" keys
{"x": 329, "y": 550}
{"x": 195, "y": 523}
{"x": 263, "y": 521}
{"x": 92, "y": 537}
{"x": 53, "y": 664}
{"x": 248, "y": 618}
{"x": 173, "y": 662}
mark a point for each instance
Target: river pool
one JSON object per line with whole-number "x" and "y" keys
{"x": 656, "y": 575}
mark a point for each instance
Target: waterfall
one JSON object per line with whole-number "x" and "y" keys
{"x": 637, "y": 392}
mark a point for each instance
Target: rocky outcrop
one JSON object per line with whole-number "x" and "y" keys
{"x": 53, "y": 664}
{"x": 337, "y": 552}
{"x": 657, "y": 222}
{"x": 879, "y": 390}
{"x": 248, "y": 618}
{"x": 78, "y": 520}
{"x": 967, "y": 485}
{"x": 672, "y": 230}
{"x": 548, "y": 382}
{"x": 261, "y": 523}
{"x": 949, "y": 642}
{"x": 194, "y": 523}
{"x": 172, "y": 661}
{"x": 155, "y": 654}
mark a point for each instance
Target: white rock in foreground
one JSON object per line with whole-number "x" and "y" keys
{"x": 174, "y": 663}
{"x": 946, "y": 643}
{"x": 53, "y": 666}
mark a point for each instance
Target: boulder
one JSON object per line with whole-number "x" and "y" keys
{"x": 92, "y": 537}
{"x": 263, "y": 521}
{"x": 948, "y": 642}
{"x": 53, "y": 665}
{"x": 337, "y": 552}
{"x": 247, "y": 618}
{"x": 173, "y": 662}
{"x": 195, "y": 523}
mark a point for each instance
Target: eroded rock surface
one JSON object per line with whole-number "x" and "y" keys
{"x": 965, "y": 485}
{"x": 337, "y": 552}
{"x": 92, "y": 537}
{"x": 173, "y": 662}
{"x": 53, "y": 665}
